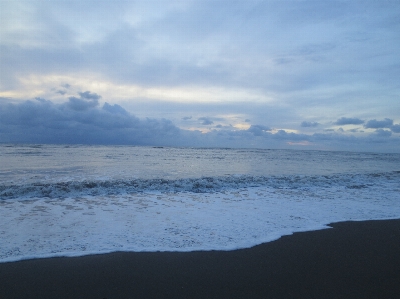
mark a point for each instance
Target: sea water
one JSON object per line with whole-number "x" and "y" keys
{"x": 71, "y": 200}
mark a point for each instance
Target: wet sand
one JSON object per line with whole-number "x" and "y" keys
{"x": 351, "y": 260}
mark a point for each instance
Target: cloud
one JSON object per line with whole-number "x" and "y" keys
{"x": 81, "y": 121}
{"x": 186, "y": 117}
{"x": 89, "y": 96}
{"x": 115, "y": 109}
{"x": 348, "y": 121}
{"x": 81, "y": 104}
{"x": 307, "y": 124}
{"x": 379, "y": 124}
{"x": 258, "y": 130}
{"x": 355, "y": 130}
{"x": 42, "y": 121}
{"x": 206, "y": 121}
{"x": 395, "y": 128}
{"x": 383, "y": 133}
{"x": 276, "y": 59}
{"x": 86, "y": 101}
{"x": 148, "y": 43}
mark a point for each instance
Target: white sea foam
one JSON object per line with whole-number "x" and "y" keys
{"x": 183, "y": 221}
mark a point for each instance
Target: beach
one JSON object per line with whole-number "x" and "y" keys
{"x": 349, "y": 260}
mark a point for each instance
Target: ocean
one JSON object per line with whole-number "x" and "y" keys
{"x": 73, "y": 200}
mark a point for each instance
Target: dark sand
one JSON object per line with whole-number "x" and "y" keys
{"x": 352, "y": 260}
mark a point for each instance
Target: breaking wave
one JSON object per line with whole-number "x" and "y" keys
{"x": 197, "y": 185}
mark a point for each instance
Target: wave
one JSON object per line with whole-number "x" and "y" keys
{"x": 197, "y": 185}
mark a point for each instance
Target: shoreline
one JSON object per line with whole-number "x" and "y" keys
{"x": 355, "y": 259}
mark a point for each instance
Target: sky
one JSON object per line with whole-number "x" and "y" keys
{"x": 318, "y": 75}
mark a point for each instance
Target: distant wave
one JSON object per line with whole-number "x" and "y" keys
{"x": 197, "y": 185}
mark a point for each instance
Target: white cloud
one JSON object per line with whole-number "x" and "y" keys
{"x": 44, "y": 86}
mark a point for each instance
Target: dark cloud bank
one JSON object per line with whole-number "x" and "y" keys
{"x": 82, "y": 120}
{"x": 307, "y": 124}
{"x": 348, "y": 121}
